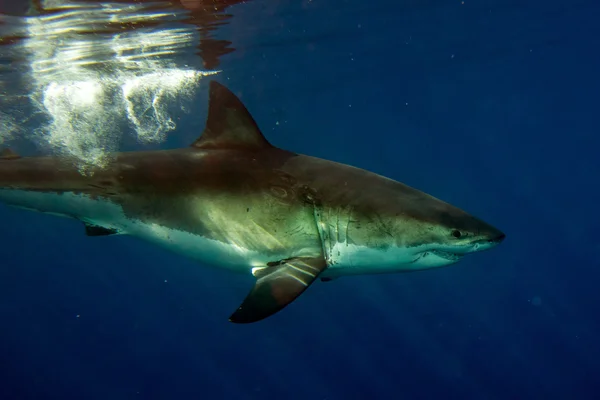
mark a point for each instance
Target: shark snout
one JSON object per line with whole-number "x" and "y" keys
{"x": 498, "y": 239}
{"x": 492, "y": 240}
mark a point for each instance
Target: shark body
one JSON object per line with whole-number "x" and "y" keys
{"x": 232, "y": 200}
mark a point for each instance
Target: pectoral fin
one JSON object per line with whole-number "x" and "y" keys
{"x": 277, "y": 286}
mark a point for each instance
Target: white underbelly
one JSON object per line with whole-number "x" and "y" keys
{"x": 111, "y": 215}
{"x": 206, "y": 250}
{"x": 344, "y": 259}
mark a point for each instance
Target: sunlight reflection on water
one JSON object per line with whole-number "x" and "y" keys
{"x": 76, "y": 77}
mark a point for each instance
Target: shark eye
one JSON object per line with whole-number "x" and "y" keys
{"x": 456, "y": 233}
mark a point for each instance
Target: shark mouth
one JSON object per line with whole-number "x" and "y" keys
{"x": 446, "y": 255}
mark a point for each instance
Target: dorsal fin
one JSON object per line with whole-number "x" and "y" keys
{"x": 8, "y": 154}
{"x": 229, "y": 124}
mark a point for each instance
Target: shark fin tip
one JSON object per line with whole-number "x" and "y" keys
{"x": 229, "y": 124}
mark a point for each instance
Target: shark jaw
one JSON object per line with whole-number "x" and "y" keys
{"x": 350, "y": 259}
{"x": 232, "y": 200}
{"x": 436, "y": 255}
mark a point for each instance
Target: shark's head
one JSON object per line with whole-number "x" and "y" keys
{"x": 439, "y": 234}
{"x": 386, "y": 226}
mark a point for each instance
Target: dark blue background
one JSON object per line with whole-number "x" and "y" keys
{"x": 490, "y": 105}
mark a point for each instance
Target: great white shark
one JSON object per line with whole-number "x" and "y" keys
{"x": 235, "y": 201}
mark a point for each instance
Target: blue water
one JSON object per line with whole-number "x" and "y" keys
{"x": 489, "y": 105}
